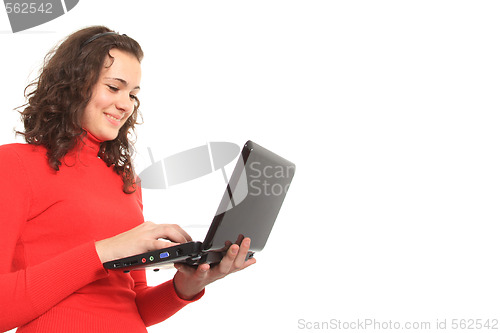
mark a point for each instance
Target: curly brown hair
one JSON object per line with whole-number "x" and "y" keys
{"x": 57, "y": 99}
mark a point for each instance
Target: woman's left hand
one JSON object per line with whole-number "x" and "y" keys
{"x": 190, "y": 281}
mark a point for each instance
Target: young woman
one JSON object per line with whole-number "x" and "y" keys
{"x": 70, "y": 201}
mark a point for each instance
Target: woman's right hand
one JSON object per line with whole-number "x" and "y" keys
{"x": 142, "y": 238}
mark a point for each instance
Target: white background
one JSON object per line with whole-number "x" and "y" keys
{"x": 390, "y": 110}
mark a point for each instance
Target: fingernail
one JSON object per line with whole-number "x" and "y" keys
{"x": 234, "y": 250}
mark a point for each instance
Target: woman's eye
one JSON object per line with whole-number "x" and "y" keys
{"x": 134, "y": 97}
{"x": 113, "y": 88}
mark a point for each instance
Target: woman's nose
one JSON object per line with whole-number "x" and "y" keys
{"x": 125, "y": 104}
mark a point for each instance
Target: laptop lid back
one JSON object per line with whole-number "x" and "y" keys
{"x": 252, "y": 200}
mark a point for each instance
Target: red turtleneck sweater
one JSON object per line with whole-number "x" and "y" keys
{"x": 51, "y": 278}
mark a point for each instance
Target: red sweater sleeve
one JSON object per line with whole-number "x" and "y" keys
{"x": 155, "y": 304}
{"x": 27, "y": 293}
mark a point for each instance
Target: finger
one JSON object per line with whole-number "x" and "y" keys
{"x": 227, "y": 245}
{"x": 202, "y": 271}
{"x": 239, "y": 239}
{"x": 169, "y": 232}
{"x": 168, "y": 244}
{"x": 226, "y": 263}
{"x": 239, "y": 261}
{"x": 182, "y": 232}
{"x": 185, "y": 269}
{"x": 152, "y": 245}
{"x": 249, "y": 262}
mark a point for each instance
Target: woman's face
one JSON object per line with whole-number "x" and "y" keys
{"x": 113, "y": 96}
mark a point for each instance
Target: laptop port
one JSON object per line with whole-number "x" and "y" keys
{"x": 130, "y": 263}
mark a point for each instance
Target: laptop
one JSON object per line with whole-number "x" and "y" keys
{"x": 249, "y": 208}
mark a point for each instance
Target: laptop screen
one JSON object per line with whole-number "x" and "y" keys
{"x": 252, "y": 199}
